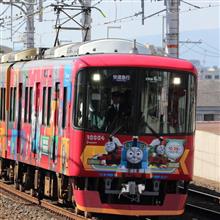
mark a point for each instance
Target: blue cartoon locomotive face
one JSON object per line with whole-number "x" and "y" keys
{"x": 134, "y": 155}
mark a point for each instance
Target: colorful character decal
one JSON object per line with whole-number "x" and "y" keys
{"x": 113, "y": 152}
{"x": 157, "y": 156}
{"x": 64, "y": 155}
{"x": 134, "y": 155}
{"x": 24, "y": 142}
{"x": 160, "y": 156}
{"x": 174, "y": 149}
{"x": 2, "y": 142}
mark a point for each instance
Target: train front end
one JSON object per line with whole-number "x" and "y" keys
{"x": 134, "y": 126}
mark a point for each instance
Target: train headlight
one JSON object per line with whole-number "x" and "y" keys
{"x": 134, "y": 155}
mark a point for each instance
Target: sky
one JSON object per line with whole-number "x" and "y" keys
{"x": 199, "y": 21}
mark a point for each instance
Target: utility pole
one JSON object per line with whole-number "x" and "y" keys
{"x": 172, "y": 28}
{"x": 27, "y": 7}
{"x": 29, "y": 42}
{"x": 86, "y": 19}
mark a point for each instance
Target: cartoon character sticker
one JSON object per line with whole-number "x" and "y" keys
{"x": 134, "y": 155}
{"x": 113, "y": 152}
{"x": 160, "y": 156}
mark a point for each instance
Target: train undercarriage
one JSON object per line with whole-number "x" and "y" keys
{"x": 114, "y": 191}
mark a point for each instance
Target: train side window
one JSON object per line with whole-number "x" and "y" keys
{"x": 30, "y": 103}
{"x": 48, "y": 105}
{"x": 57, "y": 98}
{"x": 11, "y": 106}
{"x": 44, "y": 106}
{"x": 64, "y": 107}
{"x": 14, "y": 104}
{"x": 3, "y": 104}
{"x": 0, "y": 104}
{"x": 26, "y": 104}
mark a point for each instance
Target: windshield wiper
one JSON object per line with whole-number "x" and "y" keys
{"x": 121, "y": 124}
{"x": 153, "y": 131}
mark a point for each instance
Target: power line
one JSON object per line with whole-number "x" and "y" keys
{"x": 210, "y": 46}
{"x": 203, "y": 54}
{"x": 131, "y": 17}
{"x": 5, "y": 10}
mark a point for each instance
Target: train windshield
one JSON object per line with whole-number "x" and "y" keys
{"x": 135, "y": 101}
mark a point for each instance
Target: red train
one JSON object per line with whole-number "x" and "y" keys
{"x": 61, "y": 137}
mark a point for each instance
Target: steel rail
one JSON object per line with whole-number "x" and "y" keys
{"x": 202, "y": 208}
{"x": 44, "y": 204}
{"x": 217, "y": 198}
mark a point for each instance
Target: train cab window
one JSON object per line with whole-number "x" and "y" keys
{"x": 168, "y": 102}
{"x": 95, "y": 99}
{"x": 49, "y": 95}
{"x": 44, "y": 105}
{"x": 64, "y": 110}
{"x": 148, "y": 101}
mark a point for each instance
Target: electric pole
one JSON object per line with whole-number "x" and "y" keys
{"x": 172, "y": 28}
{"x": 86, "y": 19}
{"x": 27, "y": 8}
{"x": 29, "y": 42}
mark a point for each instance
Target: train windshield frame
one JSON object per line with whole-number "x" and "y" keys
{"x": 152, "y": 101}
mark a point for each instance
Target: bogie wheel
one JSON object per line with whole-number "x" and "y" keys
{"x": 78, "y": 211}
{"x": 87, "y": 214}
{"x": 16, "y": 185}
{"x": 33, "y": 192}
{"x": 21, "y": 188}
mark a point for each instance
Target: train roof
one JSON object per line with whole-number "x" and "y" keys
{"x": 138, "y": 60}
{"x": 102, "y": 52}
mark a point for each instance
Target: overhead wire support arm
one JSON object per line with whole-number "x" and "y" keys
{"x": 156, "y": 13}
{"x": 63, "y": 8}
{"x": 195, "y": 6}
{"x": 70, "y": 18}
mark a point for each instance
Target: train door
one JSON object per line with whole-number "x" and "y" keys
{"x": 35, "y": 124}
{"x": 56, "y": 121}
{"x": 65, "y": 121}
{"x": 19, "y": 117}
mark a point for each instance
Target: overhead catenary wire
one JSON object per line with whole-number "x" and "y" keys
{"x": 129, "y": 18}
{"x": 5, "y": 10}
{"x": 204, "y": 53}
{"x": 159, "y": 14}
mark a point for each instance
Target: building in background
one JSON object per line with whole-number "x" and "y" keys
{"x": 210, "y": 73}
{"x": 208, "y": 100}
{"x": 4, "y": 49}
{"x": 206, "y": 72}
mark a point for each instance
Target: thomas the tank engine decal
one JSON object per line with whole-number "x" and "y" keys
{"x": 134, "y": 155}
{"x": 159, "y": 156}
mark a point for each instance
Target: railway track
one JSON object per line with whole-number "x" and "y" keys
{"x": 200, "y": 202}
{"x": 43, "y": 203}
{"x": 203, "y": 202}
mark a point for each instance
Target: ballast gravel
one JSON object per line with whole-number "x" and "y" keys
{"x": 14, "y": 208}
